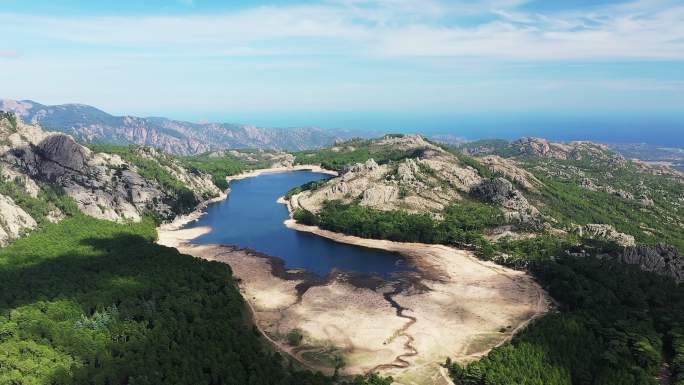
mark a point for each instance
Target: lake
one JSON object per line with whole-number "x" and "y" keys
{"x": 250, "y": 217}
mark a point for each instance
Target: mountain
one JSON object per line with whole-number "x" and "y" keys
{"x": 45, "y": 175}
{"x": 88, "y": 294}
{"x": 536, "y": 187}
{"x": 603, "y": 235}
{"x": 90, "y": 125}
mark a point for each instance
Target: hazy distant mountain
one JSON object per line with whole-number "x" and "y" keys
{"x": 91, "y": 125}
{"x": 673, "y": 156}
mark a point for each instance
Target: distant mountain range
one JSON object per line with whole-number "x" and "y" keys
{"x": 88, "y": 124}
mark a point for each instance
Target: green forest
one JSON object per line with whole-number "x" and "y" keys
{"x": 615, "y": 325}
{"x": 463, "y": 224}
{"x": 220, "y": 167}
{"x": 88, "y": 301}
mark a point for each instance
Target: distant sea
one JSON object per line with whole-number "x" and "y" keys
{"x": 622, "y": 127}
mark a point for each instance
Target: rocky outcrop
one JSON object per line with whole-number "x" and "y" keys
{"x": 659, "y": 259}
{"x": 354, "y": 169}
{"x": 14, "y": 221}
{"x": 377, "y": 196}
{"x": 591, "y": 185}
{"x": 606, "y": 232}
{"x": 102, "y": 185}
{"x": 500, "y": 191}
{"x": 531, "y": 146}
{"x": 427, "y": 180}
{"x": 577, "y": 150}
{"x": 510, "y": 169}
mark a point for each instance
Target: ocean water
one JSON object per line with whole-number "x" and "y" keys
{"x": 252, "y": 218}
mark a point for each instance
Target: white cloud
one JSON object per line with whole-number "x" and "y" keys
{"x": 647, "y": 29}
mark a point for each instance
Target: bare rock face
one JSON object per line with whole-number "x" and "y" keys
{"x": 512, "y": 171}
{"x": 500, "y": 191}
{"x": 530, "y": 146}
{"x": 369, "y": 165}
{"x": 14, "y": 221}
{"x": 607, "y": 232}
{"x": 659, "y": 259}
{"x": 57, "y": 156}
{"x": 379, "y": 195}
{"x": 102, "y": 185}
{"x": 407, "y": 171}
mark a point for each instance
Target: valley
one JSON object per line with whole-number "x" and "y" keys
{"x": 404, "y": 324}
{"x": 423, "y": 262}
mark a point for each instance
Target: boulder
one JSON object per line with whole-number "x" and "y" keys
{"x": 14, "y": 221}
{"x": 501, "y": 192}
{"x": 606, "y": 232}
{"x": 660, "y": 259}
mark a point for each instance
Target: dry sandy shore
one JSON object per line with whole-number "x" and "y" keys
{"x": 454, "y": 306}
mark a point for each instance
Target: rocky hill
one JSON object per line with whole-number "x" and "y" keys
{"x": 46, "y": 174}
{"x": 90, "y": 125}
{"x": 577, "y": 190}
{"x": 427, "y": 179}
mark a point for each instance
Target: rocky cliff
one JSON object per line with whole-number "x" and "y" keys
{"x": 659, "y": 259}
{"x": 34, "y": 161}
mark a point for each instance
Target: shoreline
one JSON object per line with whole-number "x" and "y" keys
{"x": 453, "y": 306}
{"x": 181, "y": 220}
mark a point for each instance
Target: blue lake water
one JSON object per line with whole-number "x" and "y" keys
{"x": 252, "y": 218}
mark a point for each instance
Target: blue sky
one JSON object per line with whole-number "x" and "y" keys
{"x": 386, "y": 64}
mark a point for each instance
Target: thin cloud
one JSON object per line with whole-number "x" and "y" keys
{"x": 646, "y": 29}
{"x": 8, "y": 53}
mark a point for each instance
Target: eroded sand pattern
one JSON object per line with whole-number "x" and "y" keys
{"x": 454, "y": 306}
{"x": 459, "y": 313}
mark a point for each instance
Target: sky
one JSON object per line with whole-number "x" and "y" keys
{"x": 470, "y": 68}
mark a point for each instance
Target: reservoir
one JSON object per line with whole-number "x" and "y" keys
{"x": 251, "y": 218}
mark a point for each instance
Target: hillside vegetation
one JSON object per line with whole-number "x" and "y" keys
{"x": 568, "y": 213}
{"x": 88, "y": 301}
{"x": 85, "y": 300}
{"x": 353, "y": 151}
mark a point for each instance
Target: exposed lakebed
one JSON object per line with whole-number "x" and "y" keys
{"x": 251, "y": 218}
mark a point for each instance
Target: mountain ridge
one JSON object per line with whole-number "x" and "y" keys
{"x": 88, "y": 124}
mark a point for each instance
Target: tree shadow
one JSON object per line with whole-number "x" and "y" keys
{"x": 130, "y": 311}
